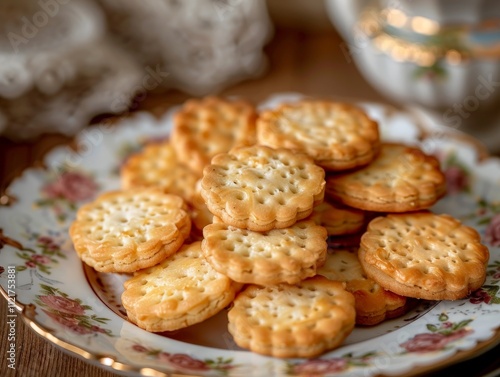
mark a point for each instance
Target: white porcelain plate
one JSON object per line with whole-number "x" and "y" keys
{"x": 79, "y": 310}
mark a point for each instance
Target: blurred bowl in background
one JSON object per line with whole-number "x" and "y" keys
{"x": 448, "y": 12}
{"x": 433, "y": 53}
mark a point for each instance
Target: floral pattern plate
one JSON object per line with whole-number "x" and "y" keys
{"x": 79, "y": 310}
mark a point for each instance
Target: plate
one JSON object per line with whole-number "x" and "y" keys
{"x": 79, "y": 310}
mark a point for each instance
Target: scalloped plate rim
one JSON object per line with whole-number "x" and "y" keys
{"x": 120, "y": 367}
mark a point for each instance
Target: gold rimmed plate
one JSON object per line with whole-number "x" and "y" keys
{"x": 78, "y": 309}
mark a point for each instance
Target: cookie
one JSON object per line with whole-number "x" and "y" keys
{"x": 181, "y": 291}
{"x": 373, "y": 303}
{"x": 424, "y": 255}
{"x": 400, "y": 179}
{"x": 338, "y": 136}
{"x": 338, "y": 219}
{"x": 124, "y": 231}
{"x": 212, "y": 125}
{"x": 302, "y": 320}
{"x": 158, "y": 166}
{"x": 277, "y": 256}
{"x": 260, "y": 188}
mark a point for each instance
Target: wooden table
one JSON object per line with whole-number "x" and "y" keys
{"x": 310, "y": 63}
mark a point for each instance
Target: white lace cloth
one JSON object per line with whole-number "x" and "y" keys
{"x": 37, "y": 43}
{"x": 59, "y": 67}
{"x": 204, "y": 45}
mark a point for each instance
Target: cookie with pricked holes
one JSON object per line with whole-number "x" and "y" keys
{"x": 424, "y": 255}
{"x": 338, "y": 136}
{"x": 125, "y": 231}
{"x": 277, "y": 256}
{"x": 260, "y": 188}
{"x": 157, "y": 165}
{"x": 206, "y": 127}
{"x": 302, "y": 320}
{"x": 181, "y": 291}
{"x": 401, "y": 179}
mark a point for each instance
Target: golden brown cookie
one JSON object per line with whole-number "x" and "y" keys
{"x": 182, "y": 290}
{"x": 260, "y": 188}
{"x": 338, "y": 219}
{"x": 124, "y": 231}
{"x": 277, "y": 256}
{"x": 300, "y": 320}
{"x": 338, "y": 136}
{"x": 158, "y": 166}
{"x": 424, "y": 255}
{"x": 373, "y": 303}
{"x": 400, "y": 179}
{"x": 212, "y": 125}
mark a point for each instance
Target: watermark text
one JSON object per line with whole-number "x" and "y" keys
{"x": 11, "y": 317}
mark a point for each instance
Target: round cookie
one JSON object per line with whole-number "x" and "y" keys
{"x": 277, "y": 256}
{"x": 124, "y": 231}
{"x": 301, "y": 320}
{"x": 373, "y": 303}
{"x": 211, "y": 125}
{"x": 158, "y": 166}
{"x": 260, "y": 188}
{"x": 400, "y": 179}
{"x": 338, "y": 136}
{"x": 181, "y": 291}
{"x": 424, "y": 255}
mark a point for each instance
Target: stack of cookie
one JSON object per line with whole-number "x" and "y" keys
{"x": 411, "y": 251}
{"x": 146, "y": 228}
{"x": 260, "y": 197}
{"x": 407, "y": 253}
{"x": 232, "y": 210}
